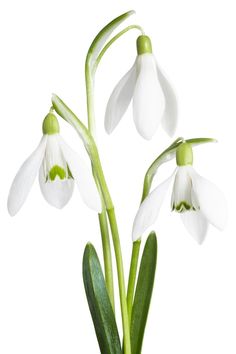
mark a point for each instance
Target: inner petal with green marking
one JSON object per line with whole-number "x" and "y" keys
{"x": 54, "y": 163}
{"x": 183, "y": 196}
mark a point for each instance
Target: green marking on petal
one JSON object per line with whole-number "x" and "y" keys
{"x": 57, "y": 171}
{"x": 183, "y": 207}
{"x": 69, "y": 173}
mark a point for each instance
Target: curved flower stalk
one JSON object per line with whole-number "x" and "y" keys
{"x": 154, "y": 100}
{"x": 198, "y": 201}
{"x": 58, "y": 167}
{"x": 167, "y": 155}
{"x": 94, "y": 55}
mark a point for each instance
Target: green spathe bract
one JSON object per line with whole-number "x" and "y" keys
{"x": 50, "y": 124}
{"x": 166, "y": 156}
{"x": 184, "y": 154}
{"x": 144, "y": 45}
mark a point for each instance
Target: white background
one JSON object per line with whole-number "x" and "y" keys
{"x": 43, "y": 307}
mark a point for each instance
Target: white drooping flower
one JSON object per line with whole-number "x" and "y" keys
{"x": 154, "y": 100}
{"x": 58, "y": 167}
{"x": 198, "y": 201}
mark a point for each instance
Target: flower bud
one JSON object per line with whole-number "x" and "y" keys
{"x": 184, "y": 154}
{"x": 144, "y": 45}
{"x": 50, "y": 124}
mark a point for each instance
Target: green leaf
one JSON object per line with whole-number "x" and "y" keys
{"x": 143, "y": 293}
{"x": 102, "y": 37}
{"x": 99, "y": 303}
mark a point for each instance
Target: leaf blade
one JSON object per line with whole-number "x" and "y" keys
{"x": 99, "y": 303}
{"x": 143, "y": 293}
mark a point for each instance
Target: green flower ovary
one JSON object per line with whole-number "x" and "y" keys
{"x": 144, "y": 45}
{"x": 184, "y": 154}
{"x": 50, "y": 124}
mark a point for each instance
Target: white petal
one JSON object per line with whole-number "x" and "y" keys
{"x": 120, "y": 99}
{"x": 211, "y": 200}
{"x": 83, "y": 177}
{"x": 149, "y": 209}
{"x": 149, "y": 100}
{"x": 169, "y": 119}
{"x": 25, "y": 177}
{"x": 196, "y": 224}
{"x": 57, "y": 192}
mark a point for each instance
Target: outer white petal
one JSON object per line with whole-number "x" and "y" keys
{"x": 25, "y": 177}
{"x": 120, "y": 99}
{"x": 149, "y": 100}
{"x": 196, "y": 224}
{"x": 150, "y": 208}
{"x": 83, "y": 177}
{"x": 211, "y": 200}
{"x": 57, "y": 192}
{"x": 170, "y": 115}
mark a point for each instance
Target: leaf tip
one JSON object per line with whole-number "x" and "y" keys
{"x": 152, "y": 238}
{"x": 131, "y": 12}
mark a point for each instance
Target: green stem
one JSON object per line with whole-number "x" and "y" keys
{"x": 90, "y": 100}
{"x": 107, "y": 256}
{"x": 132, "y": 276}
{"x": 117, "y": 36}
{"x": 91, "y": 147}
{"x": 121, "y": 279}
{"x": 89, "y": 75}
{"x": 136, "y": 245}
{"x": 102, "y": 217}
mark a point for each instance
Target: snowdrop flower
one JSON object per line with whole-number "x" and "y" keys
{"x": 58, "y": 167}
{"x": 198, "y": 201}
{"x": 154, "y": 100}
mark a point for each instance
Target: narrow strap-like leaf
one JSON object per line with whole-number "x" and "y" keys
{"x": 143, "y": 293}
{"x": 99, "y": 303}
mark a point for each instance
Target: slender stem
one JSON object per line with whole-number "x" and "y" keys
{"x": 118, "y": 35}
{"x": 89, "y": 75}
{"x": 121, "y": 279}
{"x": 107, "y": 256}
{"x": 90, "y": 100}
{"x": 136, "y": 245}
{"x": 132, "y": 276}
{"x": 102, "y": 217}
